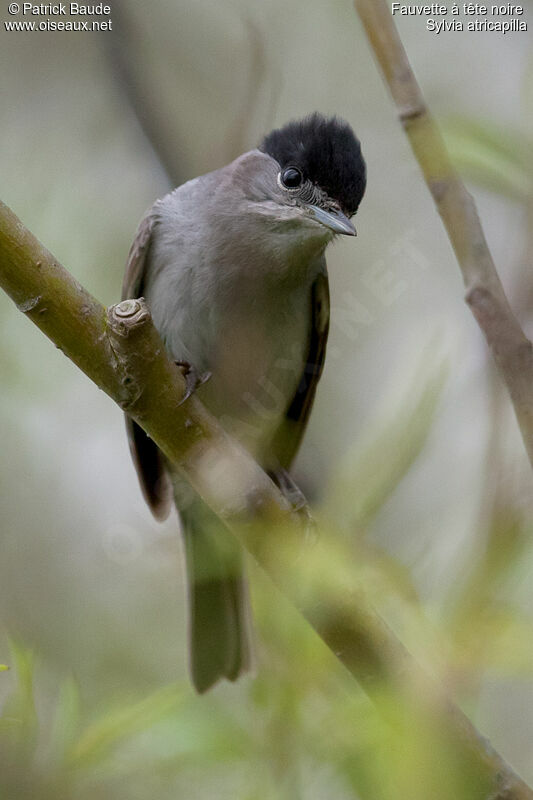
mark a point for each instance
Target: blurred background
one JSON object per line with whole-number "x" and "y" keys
{"x": 412, "y": 452}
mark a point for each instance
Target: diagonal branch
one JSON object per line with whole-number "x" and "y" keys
{"x": 511, "y": 349}
{"x": 120, "y": 350}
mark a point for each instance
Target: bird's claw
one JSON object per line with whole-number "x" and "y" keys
{"x": 299, "y": 506}
{"x": 193, "y": 378}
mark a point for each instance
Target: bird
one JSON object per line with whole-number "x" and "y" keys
{"x": 232, "y": 267}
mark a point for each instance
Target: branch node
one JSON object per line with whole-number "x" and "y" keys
{"x": 127, "y": 308}
{"x": 30, "y": 304}
{"x": 438, "y": 188}
{"x": 478, "y": 296}
{"x": 128, "y": 315}
{"x": 409, "y": 113}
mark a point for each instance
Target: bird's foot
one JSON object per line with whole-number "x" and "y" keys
{"x": 296, "y": 498}
{"x": 193, "y": 378}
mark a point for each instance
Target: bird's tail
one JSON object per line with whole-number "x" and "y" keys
{"x": 219, "y": 616}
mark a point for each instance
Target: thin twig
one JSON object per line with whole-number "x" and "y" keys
{"x": 512, "y": 350}
{"x": 259, "y": 69}
{"x": 122, "y": 48}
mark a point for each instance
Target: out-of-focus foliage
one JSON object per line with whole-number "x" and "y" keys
{"x": 369, "y": 473}
{"x": 496, "y": 157}
{"x": 297, "y": 728}
{"x": 55, "y": 752}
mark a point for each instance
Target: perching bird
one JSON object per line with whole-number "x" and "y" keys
{"x": 232, "y": 267}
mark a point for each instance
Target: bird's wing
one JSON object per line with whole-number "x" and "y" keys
{"x": 132, "y": 285}
{"x": 290, "y": 432}
{"x": 146, "y": 456}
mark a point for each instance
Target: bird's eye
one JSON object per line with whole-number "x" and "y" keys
{"x": 291, "y": 178}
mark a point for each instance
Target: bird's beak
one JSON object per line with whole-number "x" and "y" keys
{"x": 335, "y": 220}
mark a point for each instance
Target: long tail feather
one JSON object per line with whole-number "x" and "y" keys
{"x": 218, "y": 603}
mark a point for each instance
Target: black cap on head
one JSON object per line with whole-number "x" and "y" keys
{"x": 328, "y": 154}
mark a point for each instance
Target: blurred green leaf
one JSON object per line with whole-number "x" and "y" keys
{"x": 7, "y": 723}
{"x": 204, "y": 731}
{"x": 98, "y": 740}
{"x": 24, "y": 662}
{"x": 3, "y": 667}
{"x": 486, "y": 632}
{"x": 494, "y": 157}
{"x": 20, "y": 705}
{"x": 66, "y": 720}
{"x": 501, "y": 643}
{"x": 371, "y": 472}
